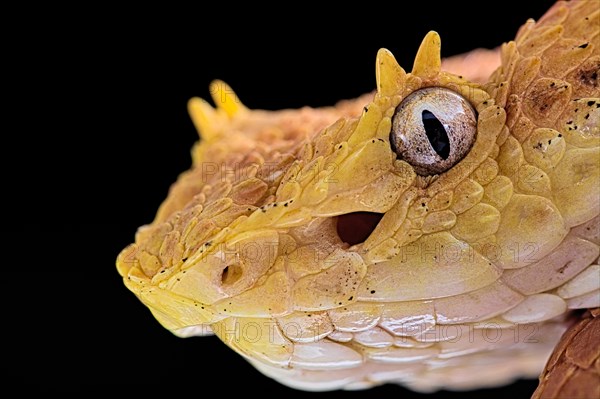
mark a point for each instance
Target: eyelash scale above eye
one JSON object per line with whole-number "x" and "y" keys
{"x": 433, "y": 129}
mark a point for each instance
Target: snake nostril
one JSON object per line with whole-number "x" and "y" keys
{"x": 231, "y": 274}
{"x": 354, "y": 228}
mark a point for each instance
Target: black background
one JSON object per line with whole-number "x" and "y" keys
{"x": 102, "y": 131}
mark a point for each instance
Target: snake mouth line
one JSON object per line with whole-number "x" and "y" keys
{"x": 354, "y": 228}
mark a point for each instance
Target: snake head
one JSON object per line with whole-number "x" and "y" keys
{"x": 283, "y": 234}
{"x": 392, "y": 214}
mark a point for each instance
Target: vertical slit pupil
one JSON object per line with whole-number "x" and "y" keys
{"x": 436, "y": 134}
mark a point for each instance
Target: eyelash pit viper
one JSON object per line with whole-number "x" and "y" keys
{"x": 443, "y": 232}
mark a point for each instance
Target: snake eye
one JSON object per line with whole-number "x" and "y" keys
{"x": 433, "y": 129}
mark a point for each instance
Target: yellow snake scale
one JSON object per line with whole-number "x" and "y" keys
{"x": 469, "y": 279}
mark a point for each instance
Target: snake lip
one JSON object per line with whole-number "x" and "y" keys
{"x": 354, "y": 228}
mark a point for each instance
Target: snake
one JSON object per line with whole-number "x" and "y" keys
{"x": 441, "y": 232}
